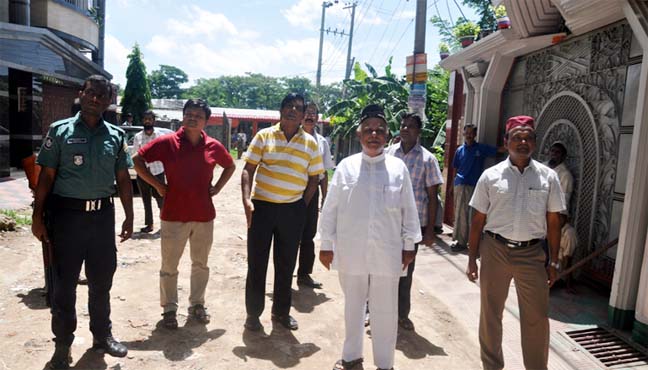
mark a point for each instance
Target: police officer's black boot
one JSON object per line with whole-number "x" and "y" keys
{"x": 110, "y": 346}
{"x": 61, "y": 359}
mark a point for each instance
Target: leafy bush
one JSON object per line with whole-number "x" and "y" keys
{"x": 444, "y": 47}
{"x": 500, "y": 11}
{"x": 466, "y": 29}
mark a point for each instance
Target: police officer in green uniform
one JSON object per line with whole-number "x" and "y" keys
{"x": 81, "y": 158}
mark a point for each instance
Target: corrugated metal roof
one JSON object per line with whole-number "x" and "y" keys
{"x": 171, "y": 109}
{"x": 237, "y": 113}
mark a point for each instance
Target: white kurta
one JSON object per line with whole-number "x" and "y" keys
{"x": 568, "y": 242}
{"x": 566, "y": 182}
{"x": 368, "y": 219}
{"x": 369, "y": 216}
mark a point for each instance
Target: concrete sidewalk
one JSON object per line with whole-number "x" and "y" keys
{"x": 440, "y": 272}
{"x": 14, "y": 191}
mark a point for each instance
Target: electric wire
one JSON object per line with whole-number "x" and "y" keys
{"x": 385, "y": 31}
{"x": 449, "y": 13}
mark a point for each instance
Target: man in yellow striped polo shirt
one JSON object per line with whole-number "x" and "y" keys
{"x": 287, "y": 163}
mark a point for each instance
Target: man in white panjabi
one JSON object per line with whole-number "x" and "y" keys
{"x": 557, "y": 156}
{"x": 368, "y": 228}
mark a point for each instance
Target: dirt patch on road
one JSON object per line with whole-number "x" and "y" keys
{"x": 439, "y": 342}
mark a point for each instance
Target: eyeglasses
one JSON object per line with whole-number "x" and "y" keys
{"x": 311, "y": 113}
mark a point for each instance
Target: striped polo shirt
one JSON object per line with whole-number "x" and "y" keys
{"x": 283, "y": 167}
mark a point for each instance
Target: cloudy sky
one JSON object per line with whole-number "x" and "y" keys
{"x": 211, "y": 38}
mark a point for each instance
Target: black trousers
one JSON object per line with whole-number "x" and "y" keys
{"x": 405, "y": 288}
{"x": 147, "y": 191}
{"x": 284, "y": 223}
{"x": 307, "y": 246}
{"x": 78, "y": 237}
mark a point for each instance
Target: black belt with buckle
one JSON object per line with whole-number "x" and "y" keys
{"x": 86, "y": 205}
{"x": 512, "y": 243}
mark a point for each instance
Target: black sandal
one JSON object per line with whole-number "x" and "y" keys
{"x": 169, "y": 320}
{"x": 348, "y": 365}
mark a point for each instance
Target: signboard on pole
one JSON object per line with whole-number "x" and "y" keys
{"x": 416, "y": 68}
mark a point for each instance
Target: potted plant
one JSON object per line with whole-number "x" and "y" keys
{"x": 466, "y": 33}
{"x": 444, "y": 50}
{"x": 503, "y": 21}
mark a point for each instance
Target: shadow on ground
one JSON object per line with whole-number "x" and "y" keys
{"x": 34, "y": 299}
{"x": 140, "y": 235}
{"x": 415, "y": 346}
{"x": 91, "y": 360}
{"x": 305, "y": 299}
{"x": 280, "y": 347}
{"x": 581, "y": 305}
{"x": 176, "y": 345}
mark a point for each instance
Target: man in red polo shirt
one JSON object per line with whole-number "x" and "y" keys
{"x": 189, "y": 158}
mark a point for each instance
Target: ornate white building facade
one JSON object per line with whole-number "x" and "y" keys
{"x": 579, "y": 67}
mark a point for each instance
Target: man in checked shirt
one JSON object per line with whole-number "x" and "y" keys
{"x": 426, "y": 177}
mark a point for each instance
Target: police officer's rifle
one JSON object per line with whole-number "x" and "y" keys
{"x": 48, "y": 257}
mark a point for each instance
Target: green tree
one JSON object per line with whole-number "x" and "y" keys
{"x": 208, "y": 89}
{"x": 487, "y": 21}
{"x": 444, "y": 28}
{"x": 392, "y": 93}
{"x": 369, "y": 88}
{"x": 137, "y": 96}
{"x": 327, "y": 95}
{"x": 436, "y": 111}
{"x": 166, "y": 81}
{"x": 257, "y": 91}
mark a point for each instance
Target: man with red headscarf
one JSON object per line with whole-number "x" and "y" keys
{"x": 517, "y": 203}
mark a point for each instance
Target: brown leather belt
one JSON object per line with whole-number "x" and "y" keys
{"x": 512, "y": 243}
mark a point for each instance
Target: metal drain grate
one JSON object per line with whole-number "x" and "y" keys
{"x": 608, "y": 348}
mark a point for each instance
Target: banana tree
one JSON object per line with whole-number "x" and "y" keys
{"x": 368, "y": 88}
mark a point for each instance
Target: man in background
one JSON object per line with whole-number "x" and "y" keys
{"x": 426, "y": 177}
{"x": 469, "y": 164}
{"x": 129, "y": 120}
{"x": 156, "y": 168}
{"x": 307, "y": 246}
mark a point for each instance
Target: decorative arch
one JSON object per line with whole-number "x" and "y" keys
{"x": 568, "y": 118}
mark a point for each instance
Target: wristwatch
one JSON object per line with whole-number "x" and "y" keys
{"x": 555, "y": 265}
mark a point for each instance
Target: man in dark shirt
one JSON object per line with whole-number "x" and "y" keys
{"x": 81, "y": 158}
{"x": 469, "y": 164}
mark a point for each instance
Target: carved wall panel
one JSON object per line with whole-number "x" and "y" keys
{"x": 576, "y": 91}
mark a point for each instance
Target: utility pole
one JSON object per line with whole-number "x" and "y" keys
{"x": 421, "y": 21}
{"x": 349, "y": 59}
{"x": 318, "y": 78}
{"x": 418, "y": 62}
